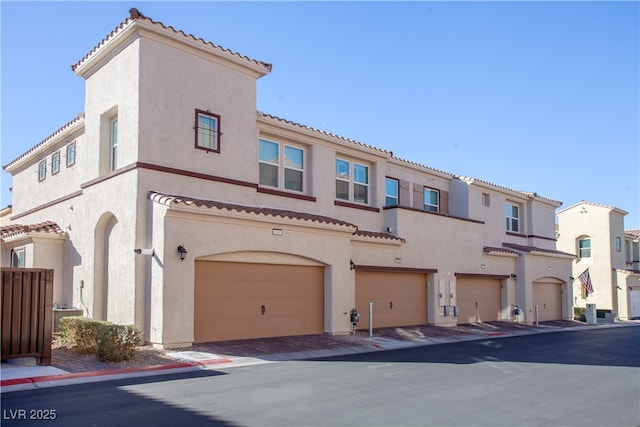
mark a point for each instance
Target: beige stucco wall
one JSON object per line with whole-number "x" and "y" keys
{"x": 154, "y": 84}
{"x": 216, "y": 235}
{"x": 589, "y": 220}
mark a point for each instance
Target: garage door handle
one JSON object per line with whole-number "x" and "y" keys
{"x": 390, "y": 305}
{"x": 263, "y": 309}
{"x": 476, "y": 304}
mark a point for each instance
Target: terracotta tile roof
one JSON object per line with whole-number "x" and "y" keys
{"x": 488, "y": 249}
{"x": 77, "y": 120}
{"x": 304, "y": 127}
{"x": 633, "y": 233}
{"x": 135, "y": 15}
{"x": 523, "y": 193}
{"x": 412, "y": 163}
{"x": 170, "y": 200}
{"x": 17, "y": 230}
{"x": 599, "y": 205}
{"x": 529, "y": 249}
{"x": 378, "y": 235}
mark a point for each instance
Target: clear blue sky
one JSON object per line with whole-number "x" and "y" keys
{"x": 533, "y": 96}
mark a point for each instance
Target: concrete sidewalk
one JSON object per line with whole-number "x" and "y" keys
{"x": 71, "y": 368}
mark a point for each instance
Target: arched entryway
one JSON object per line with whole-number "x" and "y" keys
{"x": 102, "y": 267}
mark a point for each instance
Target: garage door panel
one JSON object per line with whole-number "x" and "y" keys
{"x": 229, "y": 298}
{"x": 479, "y": 300}
{"x": 548, "y": 298}
{"x": 399, "y": 299}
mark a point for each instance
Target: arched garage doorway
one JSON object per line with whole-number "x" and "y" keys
{"x": 243, "y": 300}
{"x": 547, "y": 295}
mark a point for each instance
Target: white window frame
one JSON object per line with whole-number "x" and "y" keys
{"x": 584, "y": 252}
{"x": 352, "y": 182}
{"x": 71, "y": 154}
{"x": 282, "y": 167}
{"x": 113, "y": 143}
{"x": 361, "y": 183}
{"x": 55, "y": 163}
{"x": 343, "y": 179}
{"x": 42, "y": 170}
{"x": 387, "y": 196}
{"x": 19, "y": 255}
{"x": 286, "y": 167}
{"x": 430, "y": 207}
{"x": 510, "y": 218}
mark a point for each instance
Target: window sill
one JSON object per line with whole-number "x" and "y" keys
{"x": 356, "y": 206}
{"x": 281, "y": 193}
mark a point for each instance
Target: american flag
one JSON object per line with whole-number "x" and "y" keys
{"x": 585, "y": 279}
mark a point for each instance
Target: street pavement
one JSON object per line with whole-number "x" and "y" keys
{"x": 70, "y": 368}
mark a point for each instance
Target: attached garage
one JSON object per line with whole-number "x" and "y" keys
{"x": 235, "y": 300}
{"x": 399, "y": 298}
{"x": 479, "y": 299}
{"x": 548, "y": 297}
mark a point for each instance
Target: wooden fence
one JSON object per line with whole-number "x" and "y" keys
{"x": 27, "y": 296}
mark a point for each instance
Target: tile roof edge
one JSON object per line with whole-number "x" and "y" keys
{"x": 70, "y": 125}
{"x": 136, "y": 16}
{"x": 266, "y": 116}
{"x": 13, "y": 231}
{"x": 169, "y": 200}
{"x": 599, "y": 205}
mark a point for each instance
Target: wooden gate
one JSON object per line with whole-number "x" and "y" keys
{"x": 27, "y": 296}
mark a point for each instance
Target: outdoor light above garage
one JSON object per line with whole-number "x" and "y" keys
{"x": 182, "y": 252}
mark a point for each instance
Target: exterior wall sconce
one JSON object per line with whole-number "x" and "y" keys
{"x": 352, "y": 265}
{"x": 513, "y": 276}
{"x": 182, "y": 252}
{"x": 482, "y": 266}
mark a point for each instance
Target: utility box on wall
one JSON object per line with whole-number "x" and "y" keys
{"x": 591, "y": 315}
{"x": 59, "y": 313}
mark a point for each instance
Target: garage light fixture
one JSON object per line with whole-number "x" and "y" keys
{"x": 513, "y": 276}
{"x": 182, "y": 252}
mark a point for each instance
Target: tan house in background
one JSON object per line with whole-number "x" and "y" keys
{"x": 595, "y": 234}
{"x": 173, "y": 204}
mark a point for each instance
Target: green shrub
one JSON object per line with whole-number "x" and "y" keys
{"x": 81, "y": 333}
{"x": 579, "y": 314}
{"x": 117, "y": 342}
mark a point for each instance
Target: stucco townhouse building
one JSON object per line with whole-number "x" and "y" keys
{"x": 171, "y": 203}
{"x": 607, "y": 253}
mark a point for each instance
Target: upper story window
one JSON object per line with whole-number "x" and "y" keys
{"x": 431, "y": 200}
{"x": 17, "y": 258}
{"x": 391, "y": 192}
{"x": 486, "y": 200}
{"x": 512, "y": 217}
{"x": 352, "y": 181}
{"x": 55, "y": 163}
{"x": 281, "y": 166}
{"x": 584, "y": 247}
{"x": 42, "y": 170}
{"x": 207, "y": 131}
{"x": 113, "y": 144}
{"x": 71, "y": 154}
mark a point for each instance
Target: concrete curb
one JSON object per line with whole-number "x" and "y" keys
{"x": 30, "y": 383}
{"x": 36, "y": 382}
